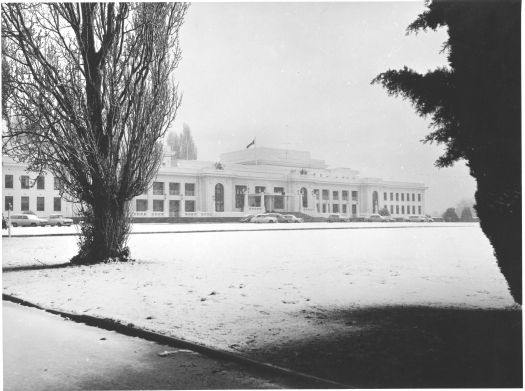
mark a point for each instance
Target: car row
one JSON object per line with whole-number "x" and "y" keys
{"x": 271, "y": 218}
{"x": 31, "y": 220}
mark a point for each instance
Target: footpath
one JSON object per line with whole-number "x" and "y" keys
{"x": 46, "y": 352}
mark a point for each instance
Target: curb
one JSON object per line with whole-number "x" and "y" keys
{"x": 241, "y": 230}
{"x": 303, "y": 380}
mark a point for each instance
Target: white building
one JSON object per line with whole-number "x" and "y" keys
{"x": 249, "y": 181}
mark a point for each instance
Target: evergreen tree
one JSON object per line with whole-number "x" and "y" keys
{"x": 182, "y": 146}
{"x": 475, "y": 107}
{"x": 384, "y": 211}
{"x": 450, "y": 215}
{"x": 466, "y": 215}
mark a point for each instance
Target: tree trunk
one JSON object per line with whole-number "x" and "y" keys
{"x": 104, "y": 232}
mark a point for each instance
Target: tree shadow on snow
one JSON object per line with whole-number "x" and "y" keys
{"x": 410, "y": 347}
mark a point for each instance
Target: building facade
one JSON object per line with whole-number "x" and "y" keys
{"x": 249, "y": 181}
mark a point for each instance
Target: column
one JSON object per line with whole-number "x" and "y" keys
{"x": 246, "y": 206}
{"x": 182, "y": 206}
{"x": 262, "y": 202}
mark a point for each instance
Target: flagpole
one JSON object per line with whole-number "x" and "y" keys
{"x": 255, "y": 145}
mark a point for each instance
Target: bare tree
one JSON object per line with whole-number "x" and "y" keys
{"x": 91, "y": 97}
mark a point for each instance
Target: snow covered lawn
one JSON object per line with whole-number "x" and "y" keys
{"x": 245, "y": 291}
{"x": 199, "y": 227}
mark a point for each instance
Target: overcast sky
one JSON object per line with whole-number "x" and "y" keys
{"x": 297, "y": 76}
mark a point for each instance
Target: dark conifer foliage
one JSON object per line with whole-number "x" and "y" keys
{"x": 475, "y": 110}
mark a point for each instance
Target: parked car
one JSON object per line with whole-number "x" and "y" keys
{"x": 417, "y": 219}
{"x": 292, "y": 219}
{"x": 375, "y": 218}
{"x": 280, "y": 218}
{"x": 389, "y": 219}
{"x": 247, "y": 219}
{"x": 59, "y": 220}
{"x": 429, "y": 219}
{"x": 336, "y": 218}
{"x": 263, "y": 218}
{"x": 27, "y": 220}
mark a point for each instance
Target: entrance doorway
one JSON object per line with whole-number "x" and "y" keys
{"x": 174, "y": 208}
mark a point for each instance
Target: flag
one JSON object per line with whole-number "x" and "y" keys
{"x": 252, "y": 143}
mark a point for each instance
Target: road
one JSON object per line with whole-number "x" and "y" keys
{"x": 46, "y": 352}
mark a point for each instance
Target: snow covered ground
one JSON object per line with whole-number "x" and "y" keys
{"x": 243, "y": 290}
{"x": 200, "y": 227}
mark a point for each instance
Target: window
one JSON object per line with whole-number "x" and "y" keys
{"x": 57, "y": 185}
{"x": 158, "y": 205}
{"x": 219, "y": 197}
{"x": 57, "y": 204}
{"x": 419, "y": 197}
{"x": 316, "y": 194}
{"x": 344, "y": 208}
{"x": 397, "y": 196}
{"x": 354, "y": 196}
{"x": 141, "y": 206}
{"x": 239, "y": 196}
{"x": 8, "y": 182}
{"x": 413, "y": 210}
{"x": 24, "y": 181}
{"x": 40, "y": 182}
{"x": 174, "y": 188}
{"x": 391, "y": 196}
{"x": 413, "y": 197}
{"x": 279, "y": 190}
{"x": 260, "y": 189}
{"x": 189, "y": 206}
{"x": 419, "y": 209}
{"x": 335, "y": 208}
{"x": 158, "y": 188}
{"x": 304, "y": 197}
{"x": 397, "y": 209}
{"x": 402, "y": 196}
{"x": 324, "y": 208}
{"x": 8, "y": 203}
{"x": 24, "y": 201}
{"x": 189, "y": 189}
{"x": 384, "y": 197}
{"x": 354, "y": 209}
{"x": 391, "y": 208}
{"x": 402, "y": 209}
{"x": 278, "y": 202}
{"x": 40, "y": 204}
{"x": 326, "y": 194}
{"x": 345, "y": 195}
{"x": 335, "y": 195}
{"x": 408, "y": 196}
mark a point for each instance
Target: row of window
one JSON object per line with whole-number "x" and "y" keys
{"x": 40, "y": 203}
{"x": 397, "y": 208}
{"x": 174, "y": 189}
{"x": 402, "y": 196}
{"x": 25, "y": 182}
{"x": 335, "y": 195}
{"x": 158, "y": 206}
